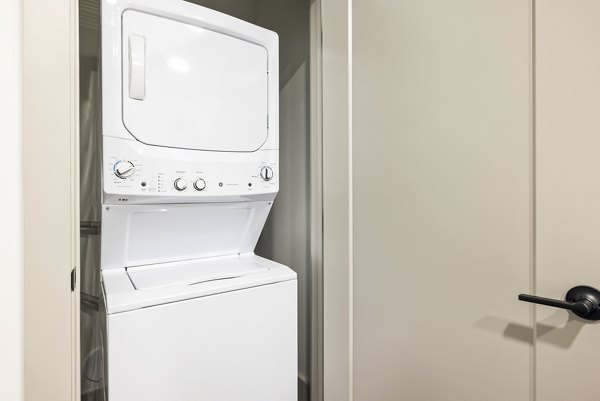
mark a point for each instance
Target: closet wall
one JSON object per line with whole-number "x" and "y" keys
{"x": 286, "y": 237}
{"x": 91, "y": 358}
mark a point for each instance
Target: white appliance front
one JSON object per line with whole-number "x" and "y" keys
{"x": 153, "y": 173}
{"x": 231, "y": 346}
{"x": 134, "y": 235}
{"x": 190, "y": 171}
{"x": 207, "y": 90}
{"x": 153, "y": 285}
{"x": 190, "y": 105}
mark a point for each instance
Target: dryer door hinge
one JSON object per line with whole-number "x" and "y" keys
{"x": 73, "y": 279}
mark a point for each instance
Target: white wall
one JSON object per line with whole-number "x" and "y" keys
{"x": 11, "y": 215}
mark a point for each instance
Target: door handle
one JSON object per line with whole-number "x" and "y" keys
{"x": 137, "y": 67}
{"x": 581, "y": 300}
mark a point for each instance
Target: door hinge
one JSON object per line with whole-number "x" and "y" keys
{"x": 73, "y": 279}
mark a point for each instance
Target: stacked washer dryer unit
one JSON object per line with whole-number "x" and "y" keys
{"x": 190, "y": 171}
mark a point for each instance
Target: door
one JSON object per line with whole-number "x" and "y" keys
{"x": 218, "y": 75}
{"x": 50, "y": 206}
{"x": 473, "y": 152}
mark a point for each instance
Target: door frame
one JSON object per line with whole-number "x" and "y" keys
{"x": 11, "y": 213}
{"x": 50, "y": 91}
{"x": 316, "y": 200}
{"x": 337, "y": 272}
{"x": 51, "y": 199}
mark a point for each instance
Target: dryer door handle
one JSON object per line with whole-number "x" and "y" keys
{"x": 137, "y": 67}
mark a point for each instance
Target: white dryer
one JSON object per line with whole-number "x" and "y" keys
{"x": 190, "y": 171}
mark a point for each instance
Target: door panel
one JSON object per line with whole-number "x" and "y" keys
{"x": 568, "y": 192}
{"x": 50, "y": 206}
{"x": 475, "y": 146}
{"x": 442, "y": 200}
{"x": 223, "y": 75}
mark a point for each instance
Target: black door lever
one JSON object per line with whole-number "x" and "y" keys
{"x": 581, "y": 300}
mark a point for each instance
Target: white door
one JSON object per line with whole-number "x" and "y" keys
{"x": 475, "y": 152}
{"x": 219, "y": 76}
{"x": 50, "y": 207}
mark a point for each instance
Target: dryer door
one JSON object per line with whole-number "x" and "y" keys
{"x": 188, "y": 87}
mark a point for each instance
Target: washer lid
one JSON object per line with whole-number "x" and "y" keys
{"x": 186, "y": 86}
{"x": 141, "y": 287}
{"x": 192, "y": 272}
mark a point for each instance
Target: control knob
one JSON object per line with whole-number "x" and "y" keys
{"x": 123, "y": 169}
{"x": 180, "y": 184}
{"x": 200, "y": 184}
{"x": 266, "y": 173}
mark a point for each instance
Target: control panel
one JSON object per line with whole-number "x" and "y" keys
{"x": 128, "y": 174}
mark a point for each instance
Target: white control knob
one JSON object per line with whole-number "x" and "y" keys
{"x": 123, "y": 169}
{"x": 200, "y": 184}
{"x": 266, "y": 173}
{"x": 180, "y": 184}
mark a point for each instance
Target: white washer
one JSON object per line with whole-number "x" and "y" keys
{"x": 190, "y": 171}
{"x": 219, "y": 329}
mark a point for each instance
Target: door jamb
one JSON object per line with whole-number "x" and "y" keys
{"x": 316, "y": 201}
{"x": 337, "y": 281}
